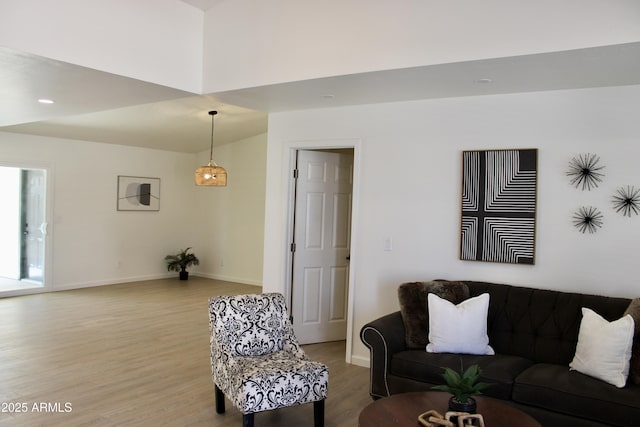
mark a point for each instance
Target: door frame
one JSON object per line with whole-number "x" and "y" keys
{"x": 326, "y": 144}
{"x": 48, "y": 215}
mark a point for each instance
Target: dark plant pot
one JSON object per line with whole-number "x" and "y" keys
{"x": 469, "y": 406}
{"x": 184, "y": 275}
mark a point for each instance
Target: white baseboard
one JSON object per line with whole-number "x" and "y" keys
{"x": 242, "y": 280}
{"x": 360, "y": 361}
{"x": 80, "y": 285}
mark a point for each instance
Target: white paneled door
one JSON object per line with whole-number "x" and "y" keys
{"x": 322, "y": 235}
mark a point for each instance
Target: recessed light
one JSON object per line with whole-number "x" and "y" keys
{"x": 46, "y": 101}
{"x": 484, "y": 81}
{"x": 328, "y": 96}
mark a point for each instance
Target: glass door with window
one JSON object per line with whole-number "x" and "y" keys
{"x": 33, "y": 225}
{"x": 23, "y": 227}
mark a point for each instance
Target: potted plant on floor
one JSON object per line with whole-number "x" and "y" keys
{"x": 462, "y": 385}
{"x": 181, "y": 261}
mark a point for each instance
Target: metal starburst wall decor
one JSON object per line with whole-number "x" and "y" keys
{"x": 587, "y": 219}
{"x": 583, "y": 171}
{"x": 627, "y": 200}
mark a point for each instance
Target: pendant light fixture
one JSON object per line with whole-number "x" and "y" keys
{"x": 211, "y": 174}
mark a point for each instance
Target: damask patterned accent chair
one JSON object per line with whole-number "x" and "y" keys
{"x": 256, "y": 361}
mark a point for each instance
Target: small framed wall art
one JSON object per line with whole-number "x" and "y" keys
{"x": 137, "y": 193}
{"x": 499, "y": 192}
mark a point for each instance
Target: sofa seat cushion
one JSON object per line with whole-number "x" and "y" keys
{"x": 500, "y": 370}
{"x": 556, "y": 388}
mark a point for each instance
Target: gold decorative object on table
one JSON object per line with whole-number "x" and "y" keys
{"x": 426, "y": 418}
{"x": 433, "y": 418}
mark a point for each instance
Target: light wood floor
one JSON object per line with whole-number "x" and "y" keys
{"x": 137, "y": 355}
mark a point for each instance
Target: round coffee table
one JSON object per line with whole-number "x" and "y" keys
{"x": 403, "y": 410}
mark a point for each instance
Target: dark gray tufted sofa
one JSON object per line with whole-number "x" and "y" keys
{"x": 534, "y": 333}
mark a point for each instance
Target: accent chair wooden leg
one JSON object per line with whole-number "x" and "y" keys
{"x": 247, "y": 420}
{"x": 219, "y": 400}
{"x": 318, "y": 413}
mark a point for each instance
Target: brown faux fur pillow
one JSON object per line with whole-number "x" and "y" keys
{"x": 414, "y": 306}
{"x": 634, "y": 367}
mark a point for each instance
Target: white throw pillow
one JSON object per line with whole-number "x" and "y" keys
{"x": 458, "y": 328}
{"x": 604, "y": 348}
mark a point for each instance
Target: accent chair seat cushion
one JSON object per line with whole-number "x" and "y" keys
{"x": 276, "y": 380}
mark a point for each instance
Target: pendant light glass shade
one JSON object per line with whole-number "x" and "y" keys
{"x": 211, "y": 175}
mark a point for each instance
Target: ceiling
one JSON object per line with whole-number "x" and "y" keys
{"x": 615, "y": 65}
{"x": 97, "y": 106}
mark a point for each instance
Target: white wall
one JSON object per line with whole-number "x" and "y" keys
{"x": 416, "y": 147}
{"x": 232, "y": 217}
{"x": 93, "y": 243}
{"x": 289, "y": 40}
{"x": 158, "y": 41}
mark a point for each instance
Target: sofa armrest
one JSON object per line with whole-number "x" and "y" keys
{"x": 384, "y": 337}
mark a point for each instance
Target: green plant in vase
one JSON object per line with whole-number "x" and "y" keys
{"x": 181, "y": 261}
{"x": 462, "y": 385}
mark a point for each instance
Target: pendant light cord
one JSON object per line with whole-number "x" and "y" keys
{"x": 212, "y": 113}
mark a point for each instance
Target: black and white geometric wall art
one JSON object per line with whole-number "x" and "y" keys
{"x": 137, "y": 193}
{"x": 499, "y": 192}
